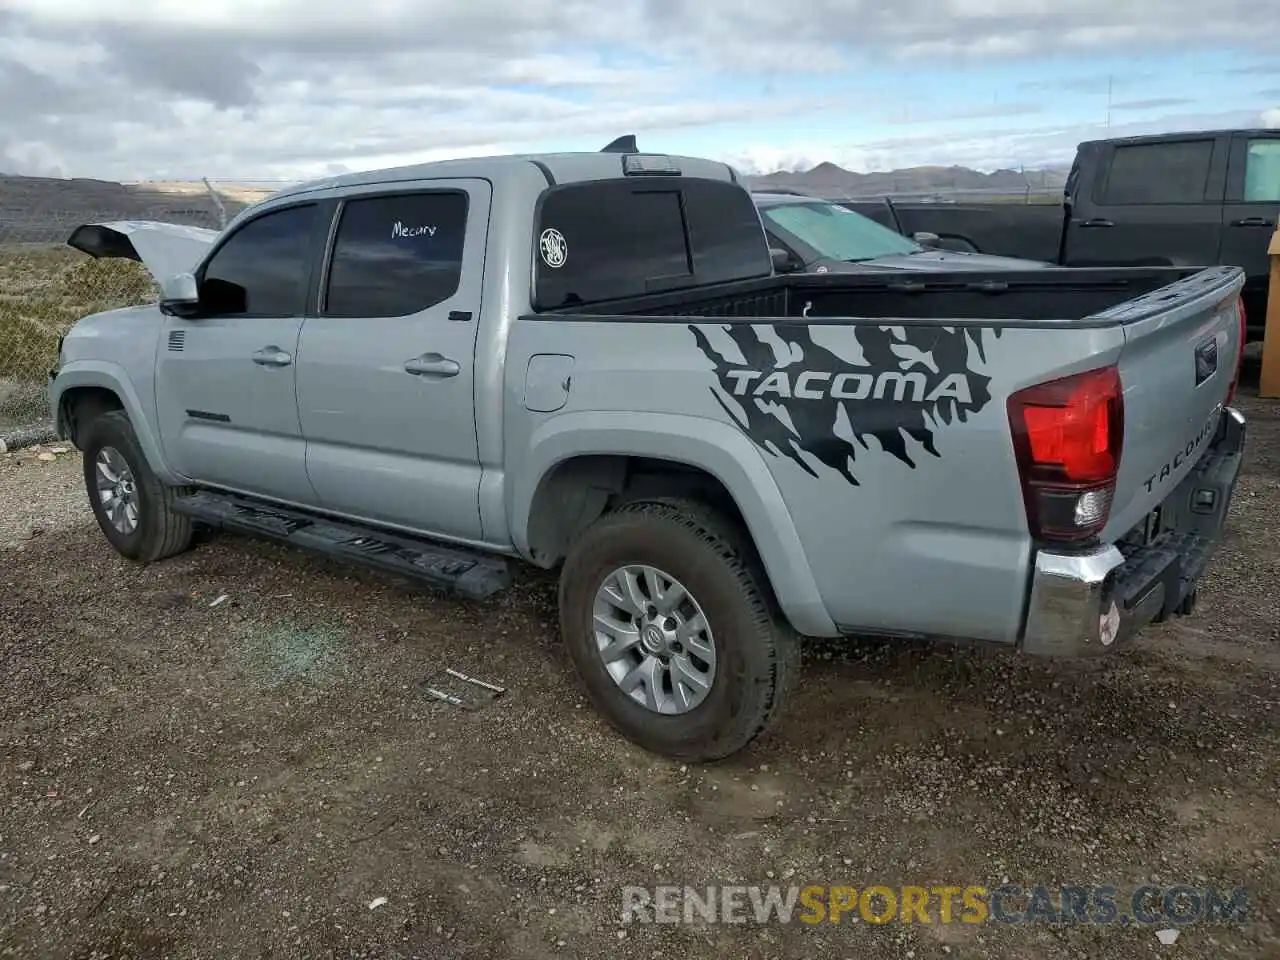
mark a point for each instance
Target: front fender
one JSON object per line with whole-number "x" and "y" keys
{"x": 111, "y": 376}
{"x": 719, "y": 449}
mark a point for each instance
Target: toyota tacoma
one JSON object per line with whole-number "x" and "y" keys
{"x": 586, "y": 362}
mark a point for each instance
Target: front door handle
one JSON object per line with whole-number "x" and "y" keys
{"x": 272, "y": 356}
{"x": 432, "y": 365}
{"x": 1097, "y": 222}
{"x": 1251, "y": 222}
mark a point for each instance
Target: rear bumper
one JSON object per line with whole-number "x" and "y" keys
{"x": 1097, "y": 601}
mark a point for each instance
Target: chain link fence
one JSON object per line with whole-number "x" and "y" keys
{"x": 44, "y": 289}
{"x": 46, "y": 286}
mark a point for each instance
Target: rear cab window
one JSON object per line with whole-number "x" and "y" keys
{"x": 605, "y": 240}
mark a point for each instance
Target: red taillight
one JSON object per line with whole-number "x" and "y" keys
{"x": 1067, "y": 436}
{"x": 1235, "y": 377}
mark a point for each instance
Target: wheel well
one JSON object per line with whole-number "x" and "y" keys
{"x": 576, "y": 492}
{"x": 80, "y": 406}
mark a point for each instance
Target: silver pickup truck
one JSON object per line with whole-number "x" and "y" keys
{"x": 586, "y": 361}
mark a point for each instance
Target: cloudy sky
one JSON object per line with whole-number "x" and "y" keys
{"x": 285, "y": 89}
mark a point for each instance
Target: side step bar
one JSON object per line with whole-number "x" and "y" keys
{"x": 473, "y": 575}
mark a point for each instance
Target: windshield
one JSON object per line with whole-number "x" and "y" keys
{"x": 837, "y": 232}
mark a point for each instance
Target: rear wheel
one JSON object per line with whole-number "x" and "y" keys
{"x": 133, "y": 508}
{"x": 673, "y": 632}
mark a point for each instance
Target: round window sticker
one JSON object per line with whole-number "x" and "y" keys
{"x": 553, "y": 247}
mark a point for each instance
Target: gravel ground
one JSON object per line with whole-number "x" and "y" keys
{"x": 184, "y": 779}
{"x": 42, "y": 489}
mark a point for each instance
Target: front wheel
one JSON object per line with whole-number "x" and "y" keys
{"x": 672, "y": 631}
{"x": 133, "y": 508}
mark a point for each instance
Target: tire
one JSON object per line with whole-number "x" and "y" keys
{"x": 159, "y": 532}
{"x": 756, "y": 653}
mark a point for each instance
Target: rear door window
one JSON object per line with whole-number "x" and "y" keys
{"x": 1145, "y": 173}
{"x": 397, "y": 255}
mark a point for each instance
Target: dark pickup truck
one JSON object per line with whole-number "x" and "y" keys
{"x": 1181, "y": 199}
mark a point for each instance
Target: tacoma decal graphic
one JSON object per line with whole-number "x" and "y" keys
{"x": 793, "y": 396}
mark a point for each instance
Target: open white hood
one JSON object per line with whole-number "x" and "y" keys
{"x": 165, "y": 249}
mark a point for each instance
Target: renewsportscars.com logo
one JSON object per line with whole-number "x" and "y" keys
{"x": 970, "y": 904}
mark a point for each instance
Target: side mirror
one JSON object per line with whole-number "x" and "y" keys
{"x": 783, "y": 261}
{"x": 926, "y": 239}
{"x": 179, "y": 295}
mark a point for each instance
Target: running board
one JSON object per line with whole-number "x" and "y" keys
{"x": 458, "y": 571}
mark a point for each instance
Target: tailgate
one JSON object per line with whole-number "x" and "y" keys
{"x": 1181, "y": 352}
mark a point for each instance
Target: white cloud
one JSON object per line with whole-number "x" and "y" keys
{"x": 922, "y": 30}
{"x": 981, "y": 148}
{"x": 281, "y": 88}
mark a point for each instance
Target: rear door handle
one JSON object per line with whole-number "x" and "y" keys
{"x": 432, "y": 365}
{"x": 1097, "y": 222}
{"x": 1251, "y": 222}
{"x": 272, "y": 356}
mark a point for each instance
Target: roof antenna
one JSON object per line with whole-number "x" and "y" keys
{"x": 624, "y": 144}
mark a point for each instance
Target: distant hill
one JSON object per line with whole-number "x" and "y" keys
{"x": 828, "y": 179}
{"x": 44, "y": 210}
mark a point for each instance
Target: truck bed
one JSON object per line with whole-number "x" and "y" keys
{"x": 1058, "y": 297}
{"x": 892, "y": 459}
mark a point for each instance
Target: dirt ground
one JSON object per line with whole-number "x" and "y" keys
{"x": 184, "y": 779}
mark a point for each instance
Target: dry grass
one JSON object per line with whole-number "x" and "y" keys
{"x": 43, "y": 291}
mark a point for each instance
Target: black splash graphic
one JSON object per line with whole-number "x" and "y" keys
{"x": 912, "y": 380}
